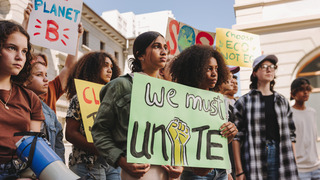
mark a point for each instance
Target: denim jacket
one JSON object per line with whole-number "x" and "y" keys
{"x": 54, "y": 130}
{"x": 109, "y": 131}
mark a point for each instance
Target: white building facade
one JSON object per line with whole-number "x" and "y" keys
{"x": 290, "y": 30}
{"x": 131, "y": 25}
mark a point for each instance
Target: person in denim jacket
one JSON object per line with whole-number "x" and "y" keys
{"x": 38, "y": 82}
{"x": 53, "y": 130}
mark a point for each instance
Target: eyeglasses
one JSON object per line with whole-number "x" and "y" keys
{"x": 271, "y": 67}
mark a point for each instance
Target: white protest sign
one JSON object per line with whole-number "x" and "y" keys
{"x": 54, "y": 24}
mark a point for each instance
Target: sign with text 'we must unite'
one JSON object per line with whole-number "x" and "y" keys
{"x": 176, "y": 124}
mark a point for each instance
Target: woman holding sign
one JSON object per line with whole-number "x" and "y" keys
{"x": 20, "y": 108}
{"x": 97, "y": 67}
{"x": 109, "y": 131}
{"x": 203, "y": 67}
{"x": 266, "y": 128}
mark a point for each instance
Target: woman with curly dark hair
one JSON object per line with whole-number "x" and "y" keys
{"x": 97, "y": 67}
{"x": 20, "y": 108}
{"x": 203, "y": 67}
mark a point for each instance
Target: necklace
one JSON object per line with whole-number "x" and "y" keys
{"x": 6, "y": 102}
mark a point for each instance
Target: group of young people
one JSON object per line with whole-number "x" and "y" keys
{"x": 268, "y": 138}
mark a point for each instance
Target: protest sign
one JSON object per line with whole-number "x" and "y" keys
{"x": 176, "y": 124}
{"x": 54, "y": 24}
{"x": 238, "y": 48}
{"x": 179, "y": 36}
{"x": 88, "y": 96}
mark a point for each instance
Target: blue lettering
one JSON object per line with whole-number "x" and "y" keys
{"x": 76, "y": 15}
{"x": 62, "y": 11}
{"x": 37, "y": 3}
{"x": 69, "y": 13}
{"x": 44, "y": 9}
{"x": 59, "y": 11}
{"x": 54, "y": 9}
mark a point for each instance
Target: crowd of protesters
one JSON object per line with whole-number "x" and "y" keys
{"x": 267, "y": 138}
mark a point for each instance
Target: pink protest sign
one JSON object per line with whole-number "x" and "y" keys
{"x": 54, "y": 24}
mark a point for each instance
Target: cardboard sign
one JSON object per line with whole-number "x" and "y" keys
{"x": 179, "y": 36}
{"x": 88, "y": 96}
{"x": 238, "y": 48}
{"x": 176, "y": 124}
{"x": 54, "y": 24}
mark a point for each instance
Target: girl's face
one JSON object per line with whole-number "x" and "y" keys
{"x": 265, "y": 72}
{"x": 13, "y": 54}
{"x": 38, "y": 81}
{"x": 228, "y": 85}
{"x": 235, "y": 85}
{"x": 211, "y": 76}
{"x": 165, "y": 72}
{"x": 106, "y": 71}
{"x": 156, "y": 55}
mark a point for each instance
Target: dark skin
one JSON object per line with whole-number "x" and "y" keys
{"x": 134, "y": 169}
{"x": 228, "y": 129}
{"x": 78, "y": 140}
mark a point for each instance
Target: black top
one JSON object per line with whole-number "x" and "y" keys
{"x": 272, "y": 126}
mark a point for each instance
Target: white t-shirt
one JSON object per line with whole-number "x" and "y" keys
{"x": 306, "y": 132}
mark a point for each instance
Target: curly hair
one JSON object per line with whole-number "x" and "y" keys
{"x": 189, "y": 67}
{"x": 89, "y": 68}
{"x": 254, "y": 79}
{"x": 6, "y": 29}
{"x": 139, "y": 48}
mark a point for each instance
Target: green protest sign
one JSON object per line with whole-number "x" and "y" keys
{"x": 175, "y": 124}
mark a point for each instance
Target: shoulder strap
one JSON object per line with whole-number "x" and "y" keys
{"x": 32, "y": 148}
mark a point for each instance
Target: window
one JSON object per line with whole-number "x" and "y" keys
{"x": 311, "y": 71}
{"x": 116, "y": 55}
{"x": 102, "y": 45}
{"x": 85, "y": 36}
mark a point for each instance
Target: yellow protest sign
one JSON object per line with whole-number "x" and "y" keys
{"x": 88, "y": 96}
{"x": 238, "y": 48}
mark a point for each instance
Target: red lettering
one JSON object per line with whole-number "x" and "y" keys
{"x": 88, "y": 101}
{"x": 52, "y": 30}
{"x": 206, "y": 35}
{"x": 95, "y": 99}
{"x": 171, "y": 24}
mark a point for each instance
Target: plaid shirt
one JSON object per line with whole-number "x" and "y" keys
{"x": 250, "y": 121}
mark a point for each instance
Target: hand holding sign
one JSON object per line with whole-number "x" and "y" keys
{"x": 169, "y": 118}
{"x": 52, "y": 22}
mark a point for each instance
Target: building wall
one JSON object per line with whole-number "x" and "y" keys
{"x": 287, "y": 28}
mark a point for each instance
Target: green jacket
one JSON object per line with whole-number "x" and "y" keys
{"x": 110, "y": 128}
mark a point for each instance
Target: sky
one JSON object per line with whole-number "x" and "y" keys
{"x": 205, "y": 15}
